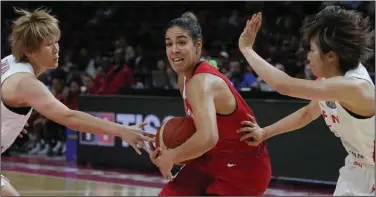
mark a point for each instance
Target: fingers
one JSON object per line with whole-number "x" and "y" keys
{"x": 151, "y": 145}
{"x": 249, "y": 136}
{"x": 251, "y": 118}
{"x": 142, "y": 145}
{"x": 245, "y": 130}
{"x": 259, "y": 20}
{"x": 24, "y": 131}
{"x": 155, "y": 153}
{"x": 150, "y": 135}
{"x": 138, "y": 151}
{"x": 248, "y": 123}
{"x": 168, "y": 175}
{"x": 142, "y": 125}
{"x": 254, "y": 24}
{"x": 250, "y": 143}
{"x": 146, "y": 138}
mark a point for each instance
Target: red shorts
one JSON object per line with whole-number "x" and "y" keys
{"x": 240, "y": 175}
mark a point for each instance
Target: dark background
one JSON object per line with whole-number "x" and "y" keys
{"x": 128, "y": 38}
{"x": 312, "y": 152}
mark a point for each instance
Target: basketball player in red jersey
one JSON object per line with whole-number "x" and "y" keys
{"x": 224, "y": 165}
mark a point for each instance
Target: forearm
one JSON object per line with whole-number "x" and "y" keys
{"x": 264, "y": 70}
{"x": 291, "y": 122}
{"x": 84, "y": 122}
{"x": 194, "y": 147}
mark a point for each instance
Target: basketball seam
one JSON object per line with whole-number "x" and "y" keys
{"x": 161, "y": 130}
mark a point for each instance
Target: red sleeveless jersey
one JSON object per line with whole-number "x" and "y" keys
{"x": 229, "y": 139}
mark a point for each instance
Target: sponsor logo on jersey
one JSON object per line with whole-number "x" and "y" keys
{"x": 331, "y": 104}
{"x": 4, "y": 66}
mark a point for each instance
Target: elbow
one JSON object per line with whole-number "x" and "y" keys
{"x": 282, "y": 88}
{"x": 281, "y": 83}
{"x": 211, "y": 140}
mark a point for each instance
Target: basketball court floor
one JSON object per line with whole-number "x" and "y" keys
{"x": 41, "y": 176}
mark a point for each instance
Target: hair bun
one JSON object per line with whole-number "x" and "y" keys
{"x": 190, "y": 16}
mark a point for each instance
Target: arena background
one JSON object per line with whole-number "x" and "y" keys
{"x": 113, "y": 65}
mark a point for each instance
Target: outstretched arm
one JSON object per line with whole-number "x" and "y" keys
{"x": 41, "y": 99}
{"x": 335, "y": 89}
{"x": 300, "y": 118}
{"x": 294, "y": 121}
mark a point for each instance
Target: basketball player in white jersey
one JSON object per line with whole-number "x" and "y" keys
{"x": 344, "y": 93}
{"x": 35, "y": 48}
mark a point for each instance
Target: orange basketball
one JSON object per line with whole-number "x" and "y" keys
{"x": 175, "y": 132}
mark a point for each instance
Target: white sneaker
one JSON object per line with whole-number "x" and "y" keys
{"x": 36, "y": 149}
{"x": 45, "y": 150}
{"x": 64, "y": 149}
{"x": 57, "y": 147}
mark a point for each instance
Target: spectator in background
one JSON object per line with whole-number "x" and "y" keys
{"x": 71, "y": 99}
{"x": 130, "y": 57}
{"x": 307, "y": 72}
{"x": 250, "y": 79}
{"x": 139, "y": 57}
{"x": 172, "y": 78}
{"x": 89, "y": 84}
{"x": 159, "y": 75}
{"x": 239, "y": 77}
{"x": 119, "y": 77}
{"x": 57, "y": 88}
{"x": 82, "y": 60}
{"x": 140, "y": 79}
{"x": 37, "y": 122}
{"x": 264, "y": 86}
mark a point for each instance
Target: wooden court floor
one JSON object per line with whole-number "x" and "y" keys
{"x": 28, "y": 184}
{"x": 48, "y": 177}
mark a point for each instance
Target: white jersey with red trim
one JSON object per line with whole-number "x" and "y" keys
{"x": 357, "y": 134}
{"x": 11, "y": 122}
{"x": 357, "y": 176}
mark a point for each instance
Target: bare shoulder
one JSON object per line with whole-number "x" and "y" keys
{"x": 16, "y": 78}
{"x": 360, "y": 97}
{"x": 364, "y": 88}
{"x": 10, "y": 89}
{"x": 205, "y": 82}
{"x": 361, "y": 83}
{"x": 356, "y": 85}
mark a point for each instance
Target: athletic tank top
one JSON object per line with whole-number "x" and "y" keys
{"x": 356, "y": 133}
{"x": 12, "y": 119}
{"x": 229, "y": 139}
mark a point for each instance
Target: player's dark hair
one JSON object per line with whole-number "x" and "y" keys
{"x": 345, "y": 32}
{"x": 188, "y": 21}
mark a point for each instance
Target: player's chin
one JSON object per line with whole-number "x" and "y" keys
{"x": 53, "y": 65}
{"x": 316, "y": 73}
{"x": 178, "y": 69}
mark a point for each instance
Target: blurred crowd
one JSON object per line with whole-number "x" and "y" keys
{"x": 111, "y": 47}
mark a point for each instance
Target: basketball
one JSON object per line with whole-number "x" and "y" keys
{"x": 175, "y": 132}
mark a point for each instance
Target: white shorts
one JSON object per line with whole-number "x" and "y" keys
{"x": 355, "y": 180}
{"x": 4, "y": 180}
